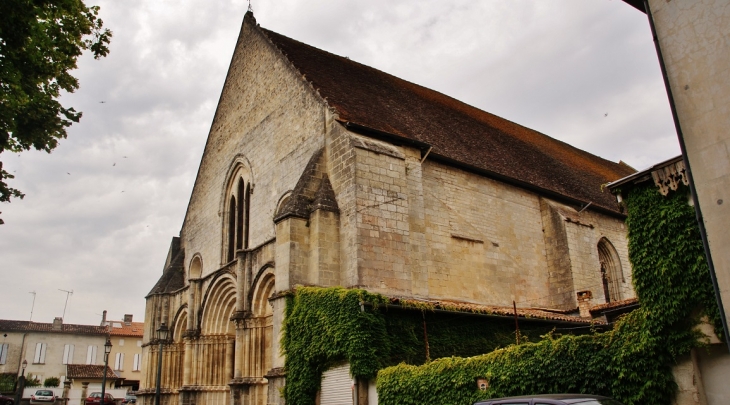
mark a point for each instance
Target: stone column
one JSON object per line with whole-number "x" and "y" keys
{"x": 84, "y": 392}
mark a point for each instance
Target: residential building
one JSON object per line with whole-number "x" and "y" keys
{"x": 126, "y": 355}
{"x": 321, "y": 171}
{"x": 49, "y": 347}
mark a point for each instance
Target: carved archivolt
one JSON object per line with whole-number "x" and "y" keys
{"x": 219, "y": 305}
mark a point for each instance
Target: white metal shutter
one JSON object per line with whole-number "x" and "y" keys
{"x": 336, "y": 386}
{"x": 4, "y": 353}
{"x": 91, "y": 355}
{"x": 68, "y": 354}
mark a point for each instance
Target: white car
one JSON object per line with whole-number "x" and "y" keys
{"x": 43, "y": 397}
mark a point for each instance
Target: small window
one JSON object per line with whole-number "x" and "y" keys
{"x": 119, "y": 361}
{"x": 40, "y": 353}
{"x": 3, "y": 353}
{"x": 137, "y": 364}
{"x": 68, "y": 354}
{"x": 121, "y": 342}
{"x": 139, "y": 343}
{"x": 91, "y": 355}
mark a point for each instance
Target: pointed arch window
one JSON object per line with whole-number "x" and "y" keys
{"x": 231, "y": 228}
{"x": 237, "y": 218}
{"x": 612, "y": 274}
{"x": 240, "y": 214}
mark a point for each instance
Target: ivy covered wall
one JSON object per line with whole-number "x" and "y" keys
{"x": 632, "y": 362}
{"x": 327, "y": 326}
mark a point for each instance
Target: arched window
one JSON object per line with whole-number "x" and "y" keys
{"x": 235, "y": 209}
{"x": 231, "y": 228}
{"x": 247, "y": 211}
{"x": 239, "y": 214}
{"x": 611, "y": 273}
{"x": 196, "y": 268}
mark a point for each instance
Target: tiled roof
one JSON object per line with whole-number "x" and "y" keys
{"x": 614, "y": 305}
{"x": 27, "y": 326}
{"x": 119, "y": 328}
{"x": 89, "y": 371}
{"x": 367, "y": 99}
{"x": 173, "y": 277}
{"x": 530, "y": 313}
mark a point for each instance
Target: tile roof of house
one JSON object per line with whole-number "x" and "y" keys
{"x": 119, "y": 328}
{"x": 367, "y": 99}
{"x": 28, "y": 326}
{"x": 89, "y": 371}
{"x": 528, "y": 313}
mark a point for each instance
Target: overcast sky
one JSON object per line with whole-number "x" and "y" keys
{"x": 100, "y": 211}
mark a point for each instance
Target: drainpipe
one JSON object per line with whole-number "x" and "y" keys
{"x": 688, "y": 171}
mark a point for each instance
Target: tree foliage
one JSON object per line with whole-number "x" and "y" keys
{"x": 40, "y": 41}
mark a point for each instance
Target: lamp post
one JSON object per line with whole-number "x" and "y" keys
{"x": 21, "y": 383}
{"x": 162, "y": 334}
{"x": 107, "y": 350}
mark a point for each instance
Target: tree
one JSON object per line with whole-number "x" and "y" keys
{"x": 40, "y": 41}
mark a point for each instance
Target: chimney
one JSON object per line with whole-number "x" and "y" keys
{"x": 103, "y": 318}
{"x": 127, "y": 319}
{"x": 584, "y": 303}
{"x": 57, "y": 323}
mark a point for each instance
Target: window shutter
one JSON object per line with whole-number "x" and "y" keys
{"x": 118, "y": 361}
{"x": 3, "y": 353}
{"x": 43, "y": 353}
{"x": 91, "y": 355}
{"x": 136, "y": 365}
{"x": 40, "y": 353}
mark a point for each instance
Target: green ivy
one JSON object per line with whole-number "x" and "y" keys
{"x": 327, "y": 326}
{"x": 632, "y": 362}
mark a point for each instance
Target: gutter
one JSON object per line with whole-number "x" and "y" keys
{"x": 693, "y": 190}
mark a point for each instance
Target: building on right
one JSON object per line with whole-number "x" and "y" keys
{"x": 660, "y": 219}
{"x": 692, "y": 39}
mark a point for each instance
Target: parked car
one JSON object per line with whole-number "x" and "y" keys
{"x": 95, "y": 399}
{"x": 6, "y": 400}
{"x": 551, "y": 399}
{"x": 128, "y": 399}
{"x": 43, "y": 397}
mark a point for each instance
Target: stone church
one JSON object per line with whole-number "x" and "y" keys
{"x": 321, "y": 171}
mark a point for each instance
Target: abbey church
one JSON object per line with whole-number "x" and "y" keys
{"x": 320, "y": 171}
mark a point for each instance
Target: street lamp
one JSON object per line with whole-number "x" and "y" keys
{"x": 107, "y": 350}
{"x": 21, "y": 383}
{"x": 162, "y": 334}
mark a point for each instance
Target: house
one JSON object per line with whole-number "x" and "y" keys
{"x": 691, "y": 42}
{"x": 701, "y": 376}
{"x": 126, "y": 355}
{"x": 49, "y": 347}
{"x": 320, "y": 171}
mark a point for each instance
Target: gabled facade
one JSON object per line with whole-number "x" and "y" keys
{"x": 322, "y": 171}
